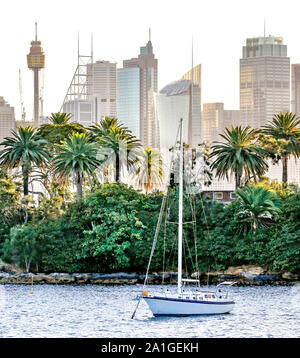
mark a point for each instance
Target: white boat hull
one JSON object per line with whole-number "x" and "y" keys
{"x": 162, "y": 306}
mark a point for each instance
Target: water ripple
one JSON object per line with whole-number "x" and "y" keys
{"x": 105, "y": 311}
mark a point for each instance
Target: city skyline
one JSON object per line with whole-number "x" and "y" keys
{"x": 220, "y": 77}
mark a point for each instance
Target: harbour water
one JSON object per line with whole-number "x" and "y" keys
{"x": 105, "y": 311}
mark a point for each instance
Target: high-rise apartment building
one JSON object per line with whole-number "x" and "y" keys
{"x": 295, "y": 94}
{"x": 102, "y": 83}
{"x": 7, "y": 119}
{"x": 215, "y": 119}
{"x": 147, "y": 65}
{"x": 264, "y": 80}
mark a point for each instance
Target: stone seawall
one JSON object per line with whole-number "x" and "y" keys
{"x": 243, "y": 275}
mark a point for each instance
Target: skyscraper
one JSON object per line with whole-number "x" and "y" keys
{"x": 102, "y": 83}
{"x": 128, "y": 98}
{"x": 264, "y": 80}
{"x": 194, "y": 75}
{"x": 295, "y": 95}
{"x": 265, "y": 89}
{"x": 7, "y": 119}
{"x": 215, "y": 119}
{"x": 173, "y": 103}
{"x": 147, "y": 65}
{"x": 179, "y": 99}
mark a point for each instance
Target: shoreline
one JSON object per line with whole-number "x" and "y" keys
{"x": 243, "y": 275}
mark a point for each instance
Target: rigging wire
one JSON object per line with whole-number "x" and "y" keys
{"x": 206, "y": 221}
{"x": 161, "y": 213}
{"x": 193, "y": 210}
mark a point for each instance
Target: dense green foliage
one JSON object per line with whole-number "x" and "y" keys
{"x": 112, "y": 229}
{"x": 257, "y": 208}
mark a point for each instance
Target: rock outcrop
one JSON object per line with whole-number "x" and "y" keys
{"x": 243, "y": 275}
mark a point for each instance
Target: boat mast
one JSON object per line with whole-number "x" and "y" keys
{"x": 180, "y": 210}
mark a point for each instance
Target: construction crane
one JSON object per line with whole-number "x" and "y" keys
{"x": 23, "y": 112}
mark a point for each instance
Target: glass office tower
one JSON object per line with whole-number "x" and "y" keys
{"x": 146, "y": 63}
{"x": 128, "y": 98}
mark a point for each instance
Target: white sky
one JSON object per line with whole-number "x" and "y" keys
{"x": 120, "y": 27}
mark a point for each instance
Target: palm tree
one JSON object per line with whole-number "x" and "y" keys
{"x": 59, "y": 129}
{"x": 77, "y": 155}
{"x": 119, "y": 141}
{"x": 148, "y": 171}
{"x": 24, "y": 149}
{"x": 257, "y": 207}
{"x": 284, "y": 128}
{"x": 105, "y": 126}
{"x": 238, "y": 154}
{"x": 60, "y": 118}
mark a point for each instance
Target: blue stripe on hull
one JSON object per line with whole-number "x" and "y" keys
{"x": 175, "y": 315}
{"x": 189, "y": 301}
{"x": 186, "y": 315}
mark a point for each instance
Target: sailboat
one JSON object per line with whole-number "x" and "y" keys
{"x": 185, "y": 301}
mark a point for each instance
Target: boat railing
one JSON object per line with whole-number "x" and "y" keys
{"x": 224, "y": 294}
{"x": 190, "y": 280}
{"x": 227, "y": 283}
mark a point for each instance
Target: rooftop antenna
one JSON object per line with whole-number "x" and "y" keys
{"x": 23, "y": 112}
{"x": 192, "y": 59}
{"x": 78, "y": 44}
{"x": 264, "y": 27}
{"x": 191, "y": 99}
{"x": 35, "y": 30}
{"x": 149, "y": 34}
{"x": 92, "y": 47}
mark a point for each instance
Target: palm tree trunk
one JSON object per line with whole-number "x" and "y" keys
{"x": 147, "y": 186}
{"x": 285, "y": 169}
{"x": 79, "y": 184}
{"x": 25, "y": 180}
{"x": 237, "y": 180}
{"x": 117, "y": 168}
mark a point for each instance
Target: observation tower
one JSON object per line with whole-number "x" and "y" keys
{"x": 36, "y": 62}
